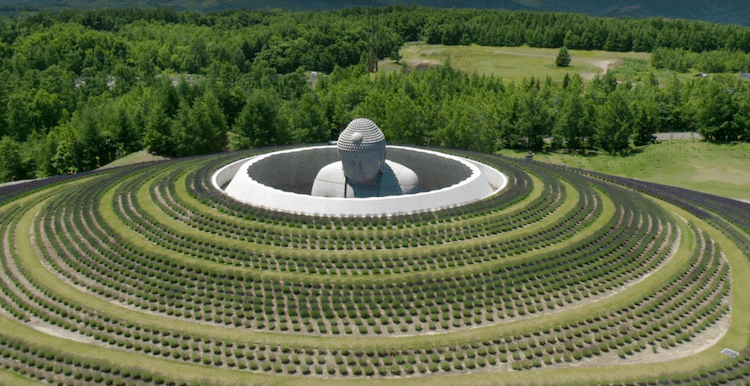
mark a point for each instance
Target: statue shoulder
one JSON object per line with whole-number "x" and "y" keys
{"x": 329, "y": 182}
{"x": 403, "y": 177}
{"x": 402, "y": 173}
{"x": 333, "y": 172}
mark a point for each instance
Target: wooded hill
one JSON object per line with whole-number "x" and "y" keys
{"x": 82, "y": 88}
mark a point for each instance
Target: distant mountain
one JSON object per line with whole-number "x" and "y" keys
{"x": 217, "y": 5}
{"x": 715, "y": 11}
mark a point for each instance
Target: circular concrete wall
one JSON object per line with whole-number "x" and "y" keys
{"x": 283, "y": 180}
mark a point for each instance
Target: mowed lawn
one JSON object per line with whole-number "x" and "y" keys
{"x": 722, "y": 170}
{"x": 510, "y": 63}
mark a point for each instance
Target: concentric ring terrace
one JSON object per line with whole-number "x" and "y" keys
{"x": 149, "y": 275}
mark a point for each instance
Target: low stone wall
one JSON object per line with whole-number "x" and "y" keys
{"x": 677, "y": 136}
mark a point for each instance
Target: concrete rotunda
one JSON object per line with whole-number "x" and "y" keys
{"x": 354, "y": 178}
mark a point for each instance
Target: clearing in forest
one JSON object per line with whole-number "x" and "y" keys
{"x": 510, "y": 63}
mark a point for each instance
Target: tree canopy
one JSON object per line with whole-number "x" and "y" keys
{"x": 81, "y": 88}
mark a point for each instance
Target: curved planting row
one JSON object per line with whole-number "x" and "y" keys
{"x": 510, "y": 289}
{"x": 720, "y": 211}
{"x": 557, "y": 270}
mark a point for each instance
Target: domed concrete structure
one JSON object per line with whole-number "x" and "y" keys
{"x": 363, "y": 170}
{"x": 410, "y": 179}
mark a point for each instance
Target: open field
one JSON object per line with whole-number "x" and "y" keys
{"x": 510, "y": 63}
{"x": 146, "y": 275}
{"x": 516, "y": 63}
{"x": 703, "y": 166}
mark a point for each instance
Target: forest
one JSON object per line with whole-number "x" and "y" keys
{"x": 82, "y": 88}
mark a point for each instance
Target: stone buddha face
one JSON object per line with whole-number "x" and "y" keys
{"x": 362, "y": 151}
{"x": 362, "y": 167}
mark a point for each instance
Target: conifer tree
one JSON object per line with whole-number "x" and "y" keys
{"x": 11, "y": 165}
{"x": 569, "y": 126}
{"x": 563, "y": 57}
{"x": 716, "y": 114}
{"x": 614, "y": 123}
{"x": 643, "y": 130}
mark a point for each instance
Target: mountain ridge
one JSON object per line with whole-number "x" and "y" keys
{"x": 713, "y": 11}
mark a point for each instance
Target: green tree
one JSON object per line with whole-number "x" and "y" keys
{"x": 716, "y": 113}
{"x": 533, "y": 119}
{"x": 200, "y": 129}
{"x": 588, "y": 125}
{"x": 32, "y": 110}
{"x": 116, "y": 125}
{"x": 68, "y": 152}
{"x": 643, "y": 128}
{"x": 308, "y": 120}
{"x": 614, "y": 124}
{"x": 38, "y": 151}
{"x": 563, "y": 57}
{"x": 742, "y": 116}
{"x": 146, "y": 53}
{"x": 401, "y": 118}
{"x": 570, "y": 125}
{"x": 157, "y": 137}
{"x": 81, "y": 145}
{"x": 12, "y": 165}
{"x": 471, "y": 123}
{"x": 19, "y": 116}
{"x": 260, "y": 122}
{"x": 566, "y": 81}
{"x": 197, "y": 56}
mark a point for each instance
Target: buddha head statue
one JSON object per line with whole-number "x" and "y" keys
{"x": 361, "y": 148}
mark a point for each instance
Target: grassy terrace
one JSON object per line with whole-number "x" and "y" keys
{"x": 146, "y": 275}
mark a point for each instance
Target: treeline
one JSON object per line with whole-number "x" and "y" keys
{"x": 576, "y": 31}
{"x": 168, "y": 116}
{"x": 441, "y": 107}
{"x": 164, "y": 40}
{"x": 678, "y": 59}
{"x": 435, "y": 107}
{"x": 81, "y": 89}
{"x": 320, "y": 40}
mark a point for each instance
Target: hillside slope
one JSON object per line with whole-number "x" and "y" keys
{"x": 702, "y": 166}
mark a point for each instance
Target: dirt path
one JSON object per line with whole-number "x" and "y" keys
{"x": 699, "y": 343}
{"x": 60, "y": 332}
{"x": 420, "y": 64}
{"x": 605, "y": 65}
